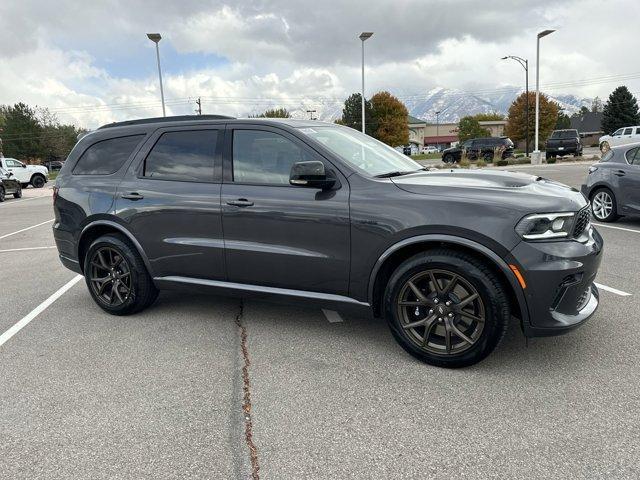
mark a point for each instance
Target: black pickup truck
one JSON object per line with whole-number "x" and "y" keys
{"x": 563, "y": 142}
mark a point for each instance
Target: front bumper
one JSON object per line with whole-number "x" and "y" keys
{"x": 560, "y": 292}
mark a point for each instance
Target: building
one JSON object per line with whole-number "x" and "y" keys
{"x": 495, "y": 127}
{"x": 588, "y": 126}
{"x": 416, "y": 134}
{"x": 442, "y": 134}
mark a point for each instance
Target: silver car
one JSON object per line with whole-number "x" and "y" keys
{"x": 613, "y": 184}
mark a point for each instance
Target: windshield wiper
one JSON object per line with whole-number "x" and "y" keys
{"x": 396, "y": 173}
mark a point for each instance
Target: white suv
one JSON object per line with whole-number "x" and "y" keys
{"x": 36, "y": 175}
{"x": 622, "y": 136}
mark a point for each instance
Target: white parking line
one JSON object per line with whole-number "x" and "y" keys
{"x": 25, "y": 229}
{"x": 4, "y": 338}
{"x": 20, "y": 200}
{"x": 616, "y": 228}
{"x": 25, "y": 249}
{"x": 332, "y": 316}
{"x": 612, "y": 290}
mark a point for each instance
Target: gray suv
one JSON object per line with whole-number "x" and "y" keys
{"x": 322, "y": 214}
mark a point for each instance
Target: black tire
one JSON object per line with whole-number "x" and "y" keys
{"x": 18, "y": 194}
{"x": 490, "y": 294}
{"x": 448, "y": 158}
{"x": 599, "y": 214}
{"x": 38, "y": 181}
{"x": 142, "y": 290}
{"x": 2, "y": 194}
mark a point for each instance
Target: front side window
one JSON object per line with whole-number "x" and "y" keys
{"x": 264, "y": 157}
{"x": 362, "y": 152}
{"x": 186, "y": 156}
{"x": 13, "y": 163}
{"x": 617, "y": 132}
{"x": 106, "y": 157}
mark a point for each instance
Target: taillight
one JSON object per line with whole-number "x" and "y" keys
{"x": 55, "y": 193}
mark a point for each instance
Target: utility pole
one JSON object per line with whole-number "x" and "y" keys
{"x": 199, "y": 104}
{"x": 155, "y": 38}
{"x": 363, "y": 37}
{"x": 311, "y": 112}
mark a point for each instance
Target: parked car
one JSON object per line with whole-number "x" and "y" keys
{"x": 430, "y": 149}
{"x": 477, "y": 148}
{"x": 613, "y": 184}
{"x": 622, "y": 136}
{"x": 9, "y": 185}
{"x": 322, "y": 214}
{"x": 36, "y": 175}
{"x": 53, "y": 165}
{"x": 563, "y": 142}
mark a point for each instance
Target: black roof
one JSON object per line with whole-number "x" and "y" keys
{"x": 176, "y": 118}
{"x": 587, "y": 123}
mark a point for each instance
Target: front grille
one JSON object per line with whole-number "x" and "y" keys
{"x": 583, "y": 217}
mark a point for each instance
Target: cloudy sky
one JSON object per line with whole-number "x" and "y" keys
{"x": 91, "y": 63}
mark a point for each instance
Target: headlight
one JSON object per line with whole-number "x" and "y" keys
{"x": 541, "y": 226}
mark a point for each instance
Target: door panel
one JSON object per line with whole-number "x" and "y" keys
{"x": 176, "y": 218}
{"x": 629, "y": 182}
{"x": 280, "y": 235}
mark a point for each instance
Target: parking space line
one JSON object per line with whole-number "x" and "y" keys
{"x": 13, "y": 202}
{"x": 25, "y": 249}
{"x": 616, "y": 228}
{"x": 38, "y": 310}
{"x": 332, "y": 316}
{"x": 612, "y": 290}
{"x": 25, "y": 229}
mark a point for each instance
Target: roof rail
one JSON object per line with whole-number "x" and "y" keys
{"x": 176, "y": 118}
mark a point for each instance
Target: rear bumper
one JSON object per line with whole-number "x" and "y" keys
{"x": 560, "y": 292}
{"x": 67, "y": 251}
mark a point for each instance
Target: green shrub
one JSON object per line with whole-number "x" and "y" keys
{"x": 551, "y": 160}
{"x": 464, "y": 163}
{"x": 481, "y": 164}
{"x": 502, "y": 163}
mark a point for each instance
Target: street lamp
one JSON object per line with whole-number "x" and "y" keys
{"x": 544, "y": 33}
{"x": 525, "y": 64}
{"x": 155, "y": 38}
{"x": 437, "y": 129}
{"x": 311, "y": 112}
{"x": 363, "y": 36}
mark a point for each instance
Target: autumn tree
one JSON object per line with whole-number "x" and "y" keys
{"x": 469, "y": 127}
{"x": 352, "y": 113}
{"x": 389, "y": 119}
{"x": 273, "y": 113}
{"x": 621, "y": 110}
{"x": 516, "y": 119}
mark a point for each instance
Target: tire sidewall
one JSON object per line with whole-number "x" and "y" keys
{"x": 613, "y": 215}
{"x": 136, "y": 276}
{"x": 494, "y": 313}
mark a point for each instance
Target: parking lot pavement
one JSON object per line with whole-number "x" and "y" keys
{"x": 159, "y": 394}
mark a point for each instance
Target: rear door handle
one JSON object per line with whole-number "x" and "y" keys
{"x": 132, "y": 196}
{"x": 620, "y": 173}
{"x": 241, "y": 202}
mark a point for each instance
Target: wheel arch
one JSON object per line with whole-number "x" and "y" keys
{"x": 98, "y": 228}
{"x": 38, "y": 174}
{"x": 397, "y": 253}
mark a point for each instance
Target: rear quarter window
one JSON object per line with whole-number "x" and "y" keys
{"x": 607, "y": 156}
{"x": 107, "y": 156}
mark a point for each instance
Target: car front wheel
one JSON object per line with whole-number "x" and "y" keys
{"x": 604, "y": 206}
{"x": 117, "y": 277}
{"x": 446, "y": 308}
{"x": 38, "y": 181}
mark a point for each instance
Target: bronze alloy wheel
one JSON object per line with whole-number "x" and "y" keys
{"x": 110, "y": 276}
{"x": 441, "y": 312}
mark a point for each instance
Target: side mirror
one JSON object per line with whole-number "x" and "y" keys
{"x": 24, "y": 165}
{"x": 9, "y": 174}
{"x": 311, "y": 174}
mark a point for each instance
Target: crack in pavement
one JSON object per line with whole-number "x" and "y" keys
{"x": 246, "y": 396}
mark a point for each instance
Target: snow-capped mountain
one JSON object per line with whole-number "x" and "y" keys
{"x": 451, "y": 103}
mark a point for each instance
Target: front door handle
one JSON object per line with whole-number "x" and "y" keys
{"x": 132, "y": 196}
{"x": 620, "y": 173}
{"x": 241, "y": 202}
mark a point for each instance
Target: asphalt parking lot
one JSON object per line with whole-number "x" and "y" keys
{"x": 160, "y": 394}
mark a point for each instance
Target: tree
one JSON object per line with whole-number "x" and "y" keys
{"x": 389, "y": 119}
{"x": 563, "y": 121}
{"x": 469, "y": 127}
{"x": 487, "y": 117}
{"x": 516, "y": 119}
{"x": 21, "y": 132}
{"x": 621, "y": 110}
{"x": 352, "y": 113}
{"x": 596, "y": 105}
{"x": 273, "y": 113}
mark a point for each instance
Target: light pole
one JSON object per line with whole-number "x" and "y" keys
{"x": 544, "y": 33}
{"x": 437, "y": 130}
{"x": 311, "y": 112}
{"x": 155, "y": 38}
{"x": 525, "y": 64}
{"x": 363, "y": 36}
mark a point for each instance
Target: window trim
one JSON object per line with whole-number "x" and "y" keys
{"x": 228, "y": 162}
{"x": 157, "y": 135}
{"x": 135, "y": 150}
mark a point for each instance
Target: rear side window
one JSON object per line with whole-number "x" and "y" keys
{"x": 186, "y": 156}
{"x": 106, "y": 157}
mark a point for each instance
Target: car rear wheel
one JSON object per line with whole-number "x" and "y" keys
{"x": 18, "y": 193}
{"x": 604, "y": 206}
{"x": 38, "y": 181}
{"x": 117, "y": 277}
{"x": 448, "y": 158}
{"x": 605, "y": 147}
{"x": 2, "y": 194}
{"x": 446, "y": 308}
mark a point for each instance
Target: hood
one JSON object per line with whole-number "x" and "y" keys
{"x": 37, "y": 168}
{"x": 513, "y": 190}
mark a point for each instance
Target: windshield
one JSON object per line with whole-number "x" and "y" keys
{"x": 362, "y": 152}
